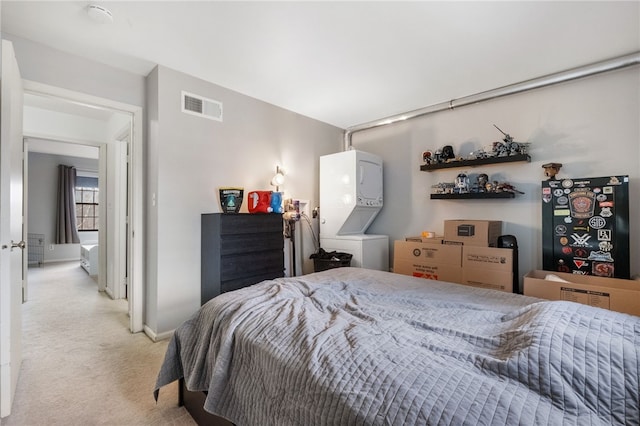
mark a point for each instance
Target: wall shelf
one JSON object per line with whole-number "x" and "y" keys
{"x": 476, "y": 162}
{"x": 473, "y": 196}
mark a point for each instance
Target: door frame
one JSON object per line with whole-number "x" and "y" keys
{"x": 135, "y": 233}
{"x": 25, "y": 224}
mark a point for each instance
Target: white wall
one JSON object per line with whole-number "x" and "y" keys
{"x": 65, "y": 127}
{"x": 189, "y": 158}
{"x": 57, "y": 68}
{"x": 589, "y": 125}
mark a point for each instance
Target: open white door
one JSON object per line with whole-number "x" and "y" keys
{"x": 11, "y": 237}
{"x": 122, "y": 218}
{"x": 114, "y": 204}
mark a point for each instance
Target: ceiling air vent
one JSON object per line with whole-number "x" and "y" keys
{"x": 202, "y": 107}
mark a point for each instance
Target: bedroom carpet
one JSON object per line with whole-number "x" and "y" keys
{"x": 81, "y": 365}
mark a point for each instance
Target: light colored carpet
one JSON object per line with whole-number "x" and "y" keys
{"x": 81, "y": 365}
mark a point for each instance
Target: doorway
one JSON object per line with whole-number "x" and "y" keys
{"x": 43, "y": 160}
{"x": 42, "y": 102}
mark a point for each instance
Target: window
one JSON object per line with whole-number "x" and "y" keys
{"x": 87, "y": 200}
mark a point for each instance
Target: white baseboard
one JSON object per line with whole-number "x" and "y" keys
{"x": 109, "y": 292}
{"x": 74, "y": 259}
{"x": 156, "y": 337}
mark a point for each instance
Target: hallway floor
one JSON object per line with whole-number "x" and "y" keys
{"x": 81, "y": 365}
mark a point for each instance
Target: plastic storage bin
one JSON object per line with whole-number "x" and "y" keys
{"x": 324, "y": 260}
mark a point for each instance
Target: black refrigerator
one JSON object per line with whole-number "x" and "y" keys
{"x": 585, "y": 226}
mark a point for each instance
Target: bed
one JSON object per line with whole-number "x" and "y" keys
{"x": 351, "y": 346}
{"x": 89, "y": 257}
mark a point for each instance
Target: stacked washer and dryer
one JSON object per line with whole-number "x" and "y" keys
{"x": 351, "y": 197}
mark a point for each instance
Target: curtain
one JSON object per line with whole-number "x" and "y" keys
{"x": 66, "y": 228}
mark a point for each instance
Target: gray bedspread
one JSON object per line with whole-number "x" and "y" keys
{"x": 352, "y": 346}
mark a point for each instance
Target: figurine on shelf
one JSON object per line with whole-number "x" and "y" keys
{"x": 437, "y": 157}
{"x": 506, "y": 187}
{"x": 551, "y": 170}
{"x": 443, "y": 188}
{"x": 479, "y": 154}
{"x": 508, "y": 146}
{"x": 462, "y": 184}
{"x": 447, "y": 154}
{"x": 500, "y": 149}
{"x": 482, "y": 181}
{"x": 427, "y": 157}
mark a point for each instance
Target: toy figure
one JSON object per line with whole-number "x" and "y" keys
{"x": 259, "y": 201}
{"x": 483, "y": 179}
{"x": 479, "y": 154}
{"x": 443, "y": 188}
{"x": 265, "y": 202}
{"x": 462, "y": 184}
{"x": 508, "y": 146}
{"x": 276, "y": 203}
{"x": 507, "y": 187}
{"x": 551, "y": 170}
{"x": 500, "y": 149}
{"x": 447, "y": 153}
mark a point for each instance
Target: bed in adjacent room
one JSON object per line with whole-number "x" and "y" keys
{"x": 355, "y": 346}
{"x": 89, "y": 257}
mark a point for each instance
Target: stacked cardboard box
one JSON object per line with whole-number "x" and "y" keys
{"x": 487, "y": 267}
{"x": 465, "y": 255}
{"x": 482, "y": 233}
{"x": 430, "y": 260}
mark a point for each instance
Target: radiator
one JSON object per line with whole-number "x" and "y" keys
{"x": 35, "y": 245}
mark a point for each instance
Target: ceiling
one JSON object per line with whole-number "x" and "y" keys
{"x": 344, "y": 63}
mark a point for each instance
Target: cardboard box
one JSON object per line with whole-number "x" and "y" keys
{"x": 435, "y": 271}
{"x": 609, "y": 293}
{"x": 427, "y": 260}
{"x": 482, "y": 233}
{"x": 498, "y": 259}
{"x": 428, "y": 252}
{"x": 487, "y": 267}
{"x": 492, "y": 279}
{"x": 419, "y": 239}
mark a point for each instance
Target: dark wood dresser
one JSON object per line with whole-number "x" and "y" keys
{"x": 239, "y": 250}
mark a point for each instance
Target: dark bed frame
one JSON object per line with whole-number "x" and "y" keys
{"x": 194, "y": 403}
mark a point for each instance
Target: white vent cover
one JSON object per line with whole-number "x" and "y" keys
{"x": 202, "y": 107}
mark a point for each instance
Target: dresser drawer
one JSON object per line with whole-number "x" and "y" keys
{"x": 244, "y": 265}
{"x": 250, "y": 223}
{"x": 250, "y": 243}
{"x": 239, "y": 283}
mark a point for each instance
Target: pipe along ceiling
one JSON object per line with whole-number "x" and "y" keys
{"x": 536, "y": 83}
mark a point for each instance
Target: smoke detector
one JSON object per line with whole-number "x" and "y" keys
{"x": 99, "y": 14}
